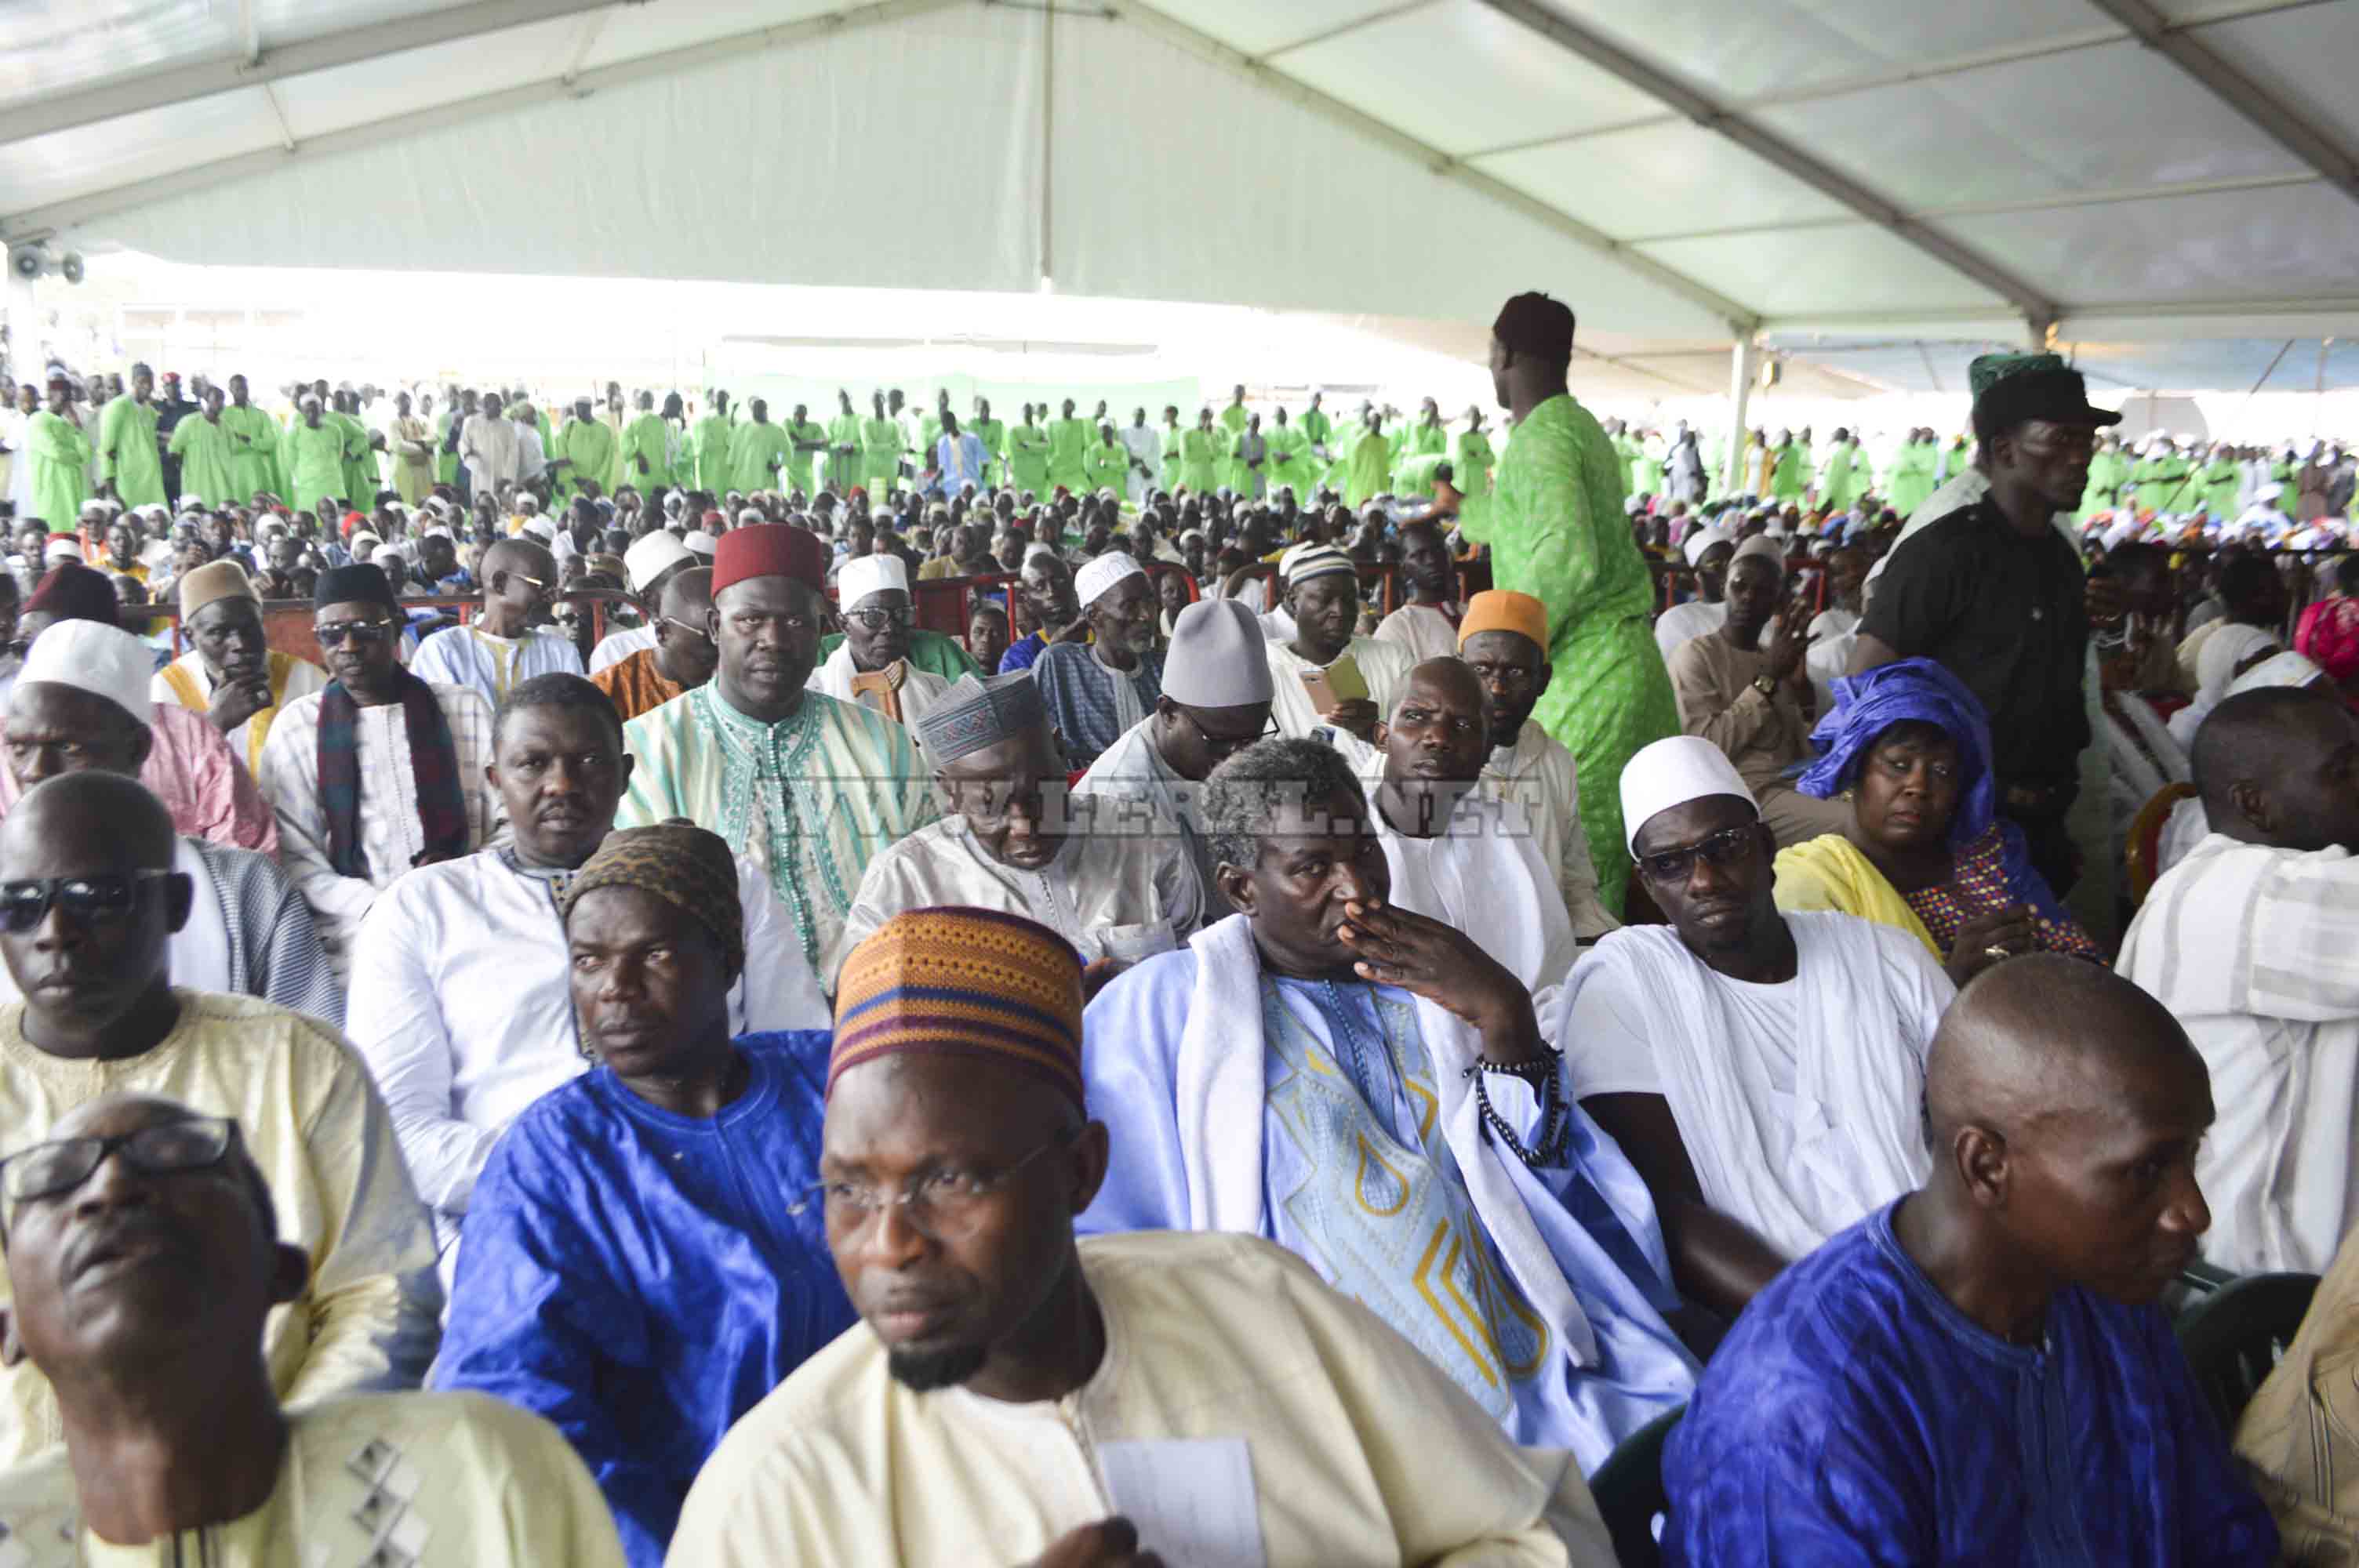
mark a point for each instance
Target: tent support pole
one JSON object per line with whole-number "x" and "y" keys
{"x": 1740, "y": 363}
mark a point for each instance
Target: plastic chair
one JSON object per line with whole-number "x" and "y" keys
{"x": 2234, "y": 1337}
{"x": 2145, "y": 844}
{"x": 1629, "y": 1491}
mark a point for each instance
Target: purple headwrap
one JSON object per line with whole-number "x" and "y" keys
{"x": 1867, "y": 705}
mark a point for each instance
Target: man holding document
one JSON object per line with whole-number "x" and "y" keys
{"x": 1329, "y": 675}
{"x": 1017, "y": 1397}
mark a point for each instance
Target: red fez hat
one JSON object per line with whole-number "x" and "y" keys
{"x": 770, "y": 549}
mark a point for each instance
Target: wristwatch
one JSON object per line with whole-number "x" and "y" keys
{"x": 1766, "y": 685}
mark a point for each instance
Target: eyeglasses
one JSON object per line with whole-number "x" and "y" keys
{"x": 1724, "y": 847}
{"x": 877, "y": 620}
{"x": 685, "y": 625}
{"x": 1225, "y": 745}
{"x": 86, "y": 900}
{"x": 362, "y": 633}
{"x": 948, "y": 1199}
{"x": 160, "y": 1148}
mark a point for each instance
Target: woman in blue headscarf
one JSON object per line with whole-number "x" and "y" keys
{"x": 1926, "y": 852}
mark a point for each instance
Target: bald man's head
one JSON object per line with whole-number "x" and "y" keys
{"x": 2280, "y": 766}
{"x": 2065, "y": 1107}
{"x": 1435, "y": 742}
{"x": 93, "y": 820}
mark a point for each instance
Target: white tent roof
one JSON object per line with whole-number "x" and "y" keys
{"x": 2168, "y": 185}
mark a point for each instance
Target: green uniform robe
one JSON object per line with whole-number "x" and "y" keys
{"x": 1847, "y": 477}
{"x": 1369, "y": 470}
{"x": 711, "y": 443}
{"x": 253, "y": 450}
{"x": 880, "y": 454}
{"x": 1912, "y": 478}
{"x": 1626, "y": 457}
{"x": 802, "y": 466}
{"x": 843, "y": 452}
{"x": 1422, "y": 450}
{"x": 1106, "y": 467}
{"x": 587, "y": 446}
{"x": 127, "y": 453}
{"x": 1174, "y": 460}
{"x": 1319, "y": 429}
{"x": 59, "y": 454}
{"x": 2159, "y": 486}
{"x": 446, "y": 463}
{"x": 1289, "y": 455}
{"x": 755, "y": 453}
{"x": 1201, "y": 452}
{"x": 360, "y": 479}
{"x": 1472, "y": 465}
{"x": 1789, "y": 474}
{"x": 2106, "y": 472}
{"x": 204, "y": 448}
{"x": 1559, "y": 534}
{"x": 1232, "y": 419}
{"x": 2221, "y": 479}
{"x": 1068, "y": 440}
{"x": 312, "y": 459}
{"x": 1647, "y": 466}
{"x": 992, "y": 434}
{"x": 648, "y": 439}
{"x": 1027, "y": 457}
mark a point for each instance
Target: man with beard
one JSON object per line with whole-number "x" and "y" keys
{"x": 1427, "y": 624}
{"x": 231, "y": 673}
{"x": 1029, "y": 1376}
{"x": 1323, "y": 593}
{"x": 871, "y": 667}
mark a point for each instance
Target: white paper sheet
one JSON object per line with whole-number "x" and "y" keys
{"x": 1191, "y": 1498}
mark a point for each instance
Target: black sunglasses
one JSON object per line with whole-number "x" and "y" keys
{"x": 362, "y": 633}
{"x": 86, "y": 900}
{"x": 160, "y": 1148}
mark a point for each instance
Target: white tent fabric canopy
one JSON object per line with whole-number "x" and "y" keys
{"x": 2168, "y": 186}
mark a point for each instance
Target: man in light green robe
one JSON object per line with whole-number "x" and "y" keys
{"x": 355, "y": 473}
{"x": 880, "y": 450}
{"x": 2222, "y": 477}
{"x": 130, "y": 464}
{"x": 252, "y": 445}
{"x": 930, "y": 430}
{"x": 60, "y": 455}
{"x": 1202, "y": 451}
{"x": 809, "y": 440}
{"x": 992, "y": 434}
{"x": 1424, "y": 447}
{"x": 202, "y": 444}
{"x": 843, "y": 445}
{"x": 1471, "y": 465}
{"x": 1788, "y": 473}
{"x": 711, "y": 444}
{"x": 1105, "y": 465}
{"x": 1319, "y": 429}
{"x": 1233, "y": 420}
{"x": 646, "y": 447}
{"x": 1028, "y": 453}
{"x": 1173, "y": 457}
{"x": 2160, "y": 480}
{"x": 311, "y": 456}
{"x": 1847, "y": 477}
{"x": 1289, "y": 451}
{"x": 2107, "y": 471}
{"x": 1912, "y": 474}
{"x": 1369, "y": 468}
{"x": 584, "y": 448}
{"x": 1069, "y": 439}
{"x": 1626, "y": 453}
{"x": 452, "y": 412}
{"x": 756, "y": 452}
{"x": 1559, "y": 534}
{"x": 1646, "y": 464}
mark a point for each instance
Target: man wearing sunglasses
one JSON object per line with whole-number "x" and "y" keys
{"x": 146, "y": 1268}
{"x": 88, "y": 904}
{"x": 683, "y": 656}
{"x": 381, "y": 771}
{"x": 501, "y": 646}
{"x": 1765, "y": 1071}
{"x": 872, "y": 666}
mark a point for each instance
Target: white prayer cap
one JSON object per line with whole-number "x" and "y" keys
{"x": 860, "y": 576}
{"x": 2287, "y": 668}
{"x": 362, "y": 544}
{"x": 699, "y": 542}
{"x": 389, "y": 554}
{"x": 94, "y": 506}
{"x": 1102, "y": 574}
{"x": 1303, "y": 564}
{"x": 2120, "y": 534}
{"x": 650, "y": 556}
{"x": 309, "y": 400}
{"x": 190, "y": 501}
{"x": 1217, "y": 658}
{"x": 750, "y": 515}
{"x": 539, "y": 528}
{"x": 436, "y": 532}
{"x": 1704, "y": 539}
{"x": 1765, "y": 546}
{"x": 62, "y": 548}
{"x": 2268, "y": 493}
{"x": 1035, "y": 550}
{"x": 1187, "y": 534}
{"x": 1672, "y": 772}
{"x": 103, "y": 660}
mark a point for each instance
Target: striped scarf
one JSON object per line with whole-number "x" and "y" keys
{"x": 433, "y": 767}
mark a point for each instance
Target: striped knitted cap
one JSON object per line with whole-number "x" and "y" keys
{"x": 952, "y": 981}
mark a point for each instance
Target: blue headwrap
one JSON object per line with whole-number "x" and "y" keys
{"x": 1867, "y": 705}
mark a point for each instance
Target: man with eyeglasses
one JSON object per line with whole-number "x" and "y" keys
{"x": 1013, "y": 839}
{"x": 683, "y": 656}
{"x": 1216, "y": 703}
{"x": 809, "y": 787}
{"x": 89, "y": 903}
{"x": 153, "y": 1286}
{"x": 1503, "y": 639}
{"x": 628, "y": 1271}
{"x": 502, "y": 646}
{"x": 1371, "y": 1090}
{"x": 651, "y": 560}
{"x": 1061, "y": 1399}
{"x": 872, "y": 666}
{"x": 231, "y": 673}
{"x": 459, "y": 999}
{"x": 380, "y": 772}
{"x": 1765, "y": 1071}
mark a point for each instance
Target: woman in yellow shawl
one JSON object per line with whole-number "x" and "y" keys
{"x": 1925, "y": 851}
